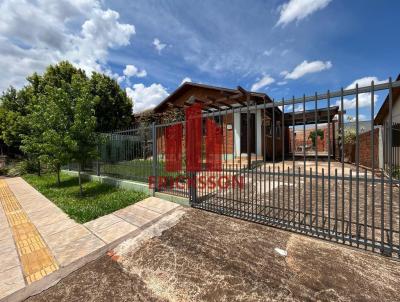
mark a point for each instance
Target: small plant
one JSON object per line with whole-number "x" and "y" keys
{"x": 314, "y": 134}
{"x": 396, "y": 172}
{"x": 349, "y": 136}
{"x": 20, "y": 168}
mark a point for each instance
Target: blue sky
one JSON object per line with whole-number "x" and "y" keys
{"x": 291, "y": 46}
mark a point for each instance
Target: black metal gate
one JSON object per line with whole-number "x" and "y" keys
{"x": 327, "y": 167}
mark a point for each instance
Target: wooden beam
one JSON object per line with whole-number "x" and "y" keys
{"x": 233, "y": 97}
{"x": 225, "y": 104}
{"x": 242, "y": 90}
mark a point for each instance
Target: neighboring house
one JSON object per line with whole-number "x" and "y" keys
{"x": 382, "y": 120}
{"x": 235, "y": 125}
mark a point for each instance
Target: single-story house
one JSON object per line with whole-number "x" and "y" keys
{"x": 235, "y": 124}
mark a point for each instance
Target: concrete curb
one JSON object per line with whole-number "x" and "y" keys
{"x": 131, "y": 185}
{"x": 120, "y": 183}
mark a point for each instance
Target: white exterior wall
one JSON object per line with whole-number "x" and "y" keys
{"x": 395, "y": 112}
{"x": 237, "y": 133}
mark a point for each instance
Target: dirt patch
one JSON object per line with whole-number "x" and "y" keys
{"x": 209, "y": 257}
{"x": 100, "y": 280}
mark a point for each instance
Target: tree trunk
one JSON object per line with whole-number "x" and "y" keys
{"x": 39, "y": 172}
{"x": 80, "y": 179}
{"x": 58, "y": 175}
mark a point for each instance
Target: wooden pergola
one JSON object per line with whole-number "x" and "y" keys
{"x": 318, "y": 116}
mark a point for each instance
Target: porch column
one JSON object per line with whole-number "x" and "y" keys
{"x": 236, "y": 133}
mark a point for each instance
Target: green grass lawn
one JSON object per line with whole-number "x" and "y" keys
{"x": 98, "y": 199}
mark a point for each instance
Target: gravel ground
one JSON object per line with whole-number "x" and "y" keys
{"x": 209, "y": 257}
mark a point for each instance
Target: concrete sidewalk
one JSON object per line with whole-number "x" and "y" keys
{"x": 40, "y": 244}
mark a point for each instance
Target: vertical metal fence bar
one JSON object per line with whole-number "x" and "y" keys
{"x": 357, "y": 171}
{"x": 329, "y": 161}
{"x": 382, "y": 216}
{"x": 264, "y": 140}
{"x": 279, "y": 203}
{"x": 154, "y": 133}
{"x": 304, "y": 157}
{"x": 273, "y": 157}
{"x": 283, "y": 129}
{"x": 351, "y": 207}
{"x": 288, "y": 198}
{"x": 341, "y": 116}
{"x": 316, "y": 154}
{"x": 336, "y": 206}
{"x": 299, "y": 201}
{"x": 293, "y": 162}
{"x": 373, "y": 164}
{"x": 365, "y": 210}
{"x": 311, "y": 201}
{"x": 323, "y": 200}
{"x": 390, "y": 167}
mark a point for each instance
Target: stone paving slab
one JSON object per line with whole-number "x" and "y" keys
{"x": 102, "y": 222}
{"x": 137, "y": 215}
{"x": 56, "y": 227}
{"x": 9, "y": 254}
{"x": 115, "y": 231}
{"x": 155, "y": 205}
{"x": 33, "y": 231}
{"x": 12, "y": 280}
{"x": 68, "y": 253}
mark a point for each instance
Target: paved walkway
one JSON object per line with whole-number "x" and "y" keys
{"x": 40, "y": 244}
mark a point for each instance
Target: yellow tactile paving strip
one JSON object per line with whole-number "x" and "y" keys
{"x": 37, "y": 260}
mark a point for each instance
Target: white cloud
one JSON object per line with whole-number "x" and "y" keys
{"x": 264, "y": 81}
{"x": 158, "y": 45}
{"x": 186, "y": 79}
{"x": 284, "y": 52}
{"x": 352, "y": 118}
{"x": 282, "y": 83}
{"x": 146, "y": 97}
{"x": 296, "y": 10}
{"x": 268, "y": 52}
{"x": 297, "y": 108}
{"x": 364, "y": 99}
{"x": 306, "y": 67}
{"x": 365, "y": 81}
{"x": 38, "y": 33}
{"x": 133, "y": 71}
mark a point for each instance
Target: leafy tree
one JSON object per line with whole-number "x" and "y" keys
{"x": 54, "y": 117}
{"x": 83, "y": 127}
{"x": 49, "y": 137}
{"x": 113, "y": 107}
{"x": 14, "y": 108}
{"x": 62, "y": 120}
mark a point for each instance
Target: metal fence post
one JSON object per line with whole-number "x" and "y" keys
{"x": 192, "y": 188}
{"x": 154, "y": 138}
{"x": 98, "y": 162}
{"x": 97, "y": 167}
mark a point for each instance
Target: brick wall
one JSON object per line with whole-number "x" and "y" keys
{"x": 365, "y": 142}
